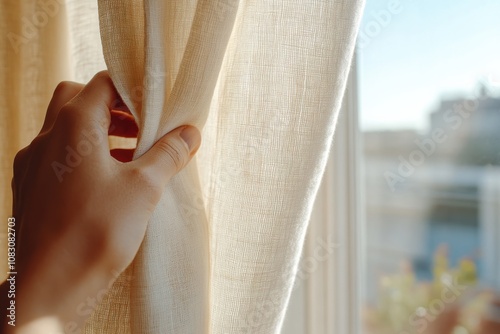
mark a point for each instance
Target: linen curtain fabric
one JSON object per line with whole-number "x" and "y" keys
{"x": 264, "y": 81}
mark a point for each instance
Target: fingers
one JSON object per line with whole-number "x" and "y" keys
{"x": 100, "y": 92}
{"x": 170, "y": 154}
{"x": 123, "y": 125}
{"x": 64, "y": 92}
{"x": 94, "y": 102}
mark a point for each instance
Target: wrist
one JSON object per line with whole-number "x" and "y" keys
{"x": 53, "y": 300}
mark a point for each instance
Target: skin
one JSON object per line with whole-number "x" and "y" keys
{"x": 75, "y": 230}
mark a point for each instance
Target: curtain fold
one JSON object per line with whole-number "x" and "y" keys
{"x": 263, "y": 80}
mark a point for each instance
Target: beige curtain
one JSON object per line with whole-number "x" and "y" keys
{"x": 264, "y": 80}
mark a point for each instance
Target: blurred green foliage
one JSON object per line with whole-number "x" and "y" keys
{"x": 406, "y": 305}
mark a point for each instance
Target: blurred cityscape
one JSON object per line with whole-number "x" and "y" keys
{"x": 440, "y": 188}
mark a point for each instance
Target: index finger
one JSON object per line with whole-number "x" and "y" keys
{"x": 63, "y": 93}
{"x": 95, "y": 101}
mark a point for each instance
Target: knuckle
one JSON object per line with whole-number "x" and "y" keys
{"x": 102, "y": 75}
{"x": 68, "y": 110}
{"x": 37, "y": 141}
{"x": 66, "y": 88}
{"x": 69, "y": 115}
{"x": 145, "y": 179}
{"x": 174, "y": 152}
{"x": 19, "y": 157}
{"x": 142, "y": 176}
{"x": 19, "y": 161}
{"x": 137, "y": 173}
{"x": 63, "y": 87}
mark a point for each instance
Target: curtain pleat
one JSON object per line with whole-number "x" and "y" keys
{"x": 263, "y": 80}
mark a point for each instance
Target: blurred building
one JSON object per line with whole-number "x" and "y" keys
{"x": 438, "y": 187}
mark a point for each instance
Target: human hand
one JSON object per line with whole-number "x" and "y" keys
{"x": 82, "y": 214}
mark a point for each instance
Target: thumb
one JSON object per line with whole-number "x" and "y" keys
{"x": 170, "y": 153}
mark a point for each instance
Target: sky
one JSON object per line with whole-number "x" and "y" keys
{"x": 423, "y": 51}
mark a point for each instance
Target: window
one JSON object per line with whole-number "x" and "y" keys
{"x": 429, "y": 112}
{"x": 410, "y": 199}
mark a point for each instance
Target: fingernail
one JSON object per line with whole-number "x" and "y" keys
{"x": 191, "y": 136}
